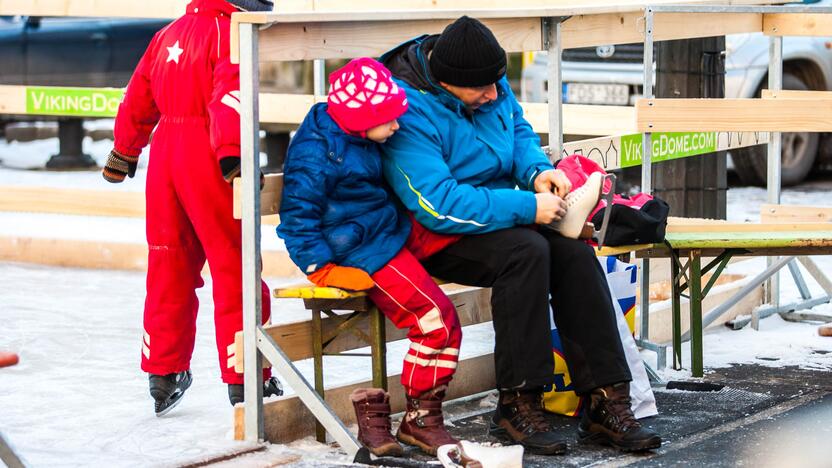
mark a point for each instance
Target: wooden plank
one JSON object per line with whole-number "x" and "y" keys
{"x": 110, "y": 255}
{"x": 287, "y": 419}
{"x": 349, "y": 39}
{"x": 795, "y": 94}
{"x": 473, "y": 305}
{"x": 797, "y": 24}
{"x": 292, "y": 109}
{"x": 772, "y": 213}
{"x": 728, "y": 228}
{"x": 381, "y": 10}
{"x": 94, "y": 8}
{"x": 312, "y": 35}
{"x": 269, "y": 196}
{"x": 72, "y": 201}
{"x": 625, "y": 28}
{"x": 709, "y": 115}
{"x": 12, "y": 99}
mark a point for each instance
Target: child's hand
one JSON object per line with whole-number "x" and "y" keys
{"x": 354, "y": 279}
{"x": 230, "y": 167}
{"x": 119, "y": 166}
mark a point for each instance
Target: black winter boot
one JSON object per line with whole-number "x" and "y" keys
{"x": 519, "y": 418}
{"x": 168, "y": 390}
{"x": 609, "y": 420}
{"x": 271, "y": 387}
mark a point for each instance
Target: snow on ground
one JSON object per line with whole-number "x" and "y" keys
{"x": 78, "y": 398}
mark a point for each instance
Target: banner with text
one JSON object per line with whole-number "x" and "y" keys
{"x": 75, "y": 102}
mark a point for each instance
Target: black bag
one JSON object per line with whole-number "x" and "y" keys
{"x": 628, "y": 226}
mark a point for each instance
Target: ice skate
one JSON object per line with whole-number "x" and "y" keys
{"x": 467, "y": 454}
{"x": 168, "y": 390}
{"x": 580, "y": 203}
{"x": 271, "y": 387}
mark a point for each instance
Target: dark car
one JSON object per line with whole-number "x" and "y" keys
{"x": 89, "y": 52}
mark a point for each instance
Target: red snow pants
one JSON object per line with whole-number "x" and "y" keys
{"x": 407, "y": 295}
{"x": 189, "y": 220}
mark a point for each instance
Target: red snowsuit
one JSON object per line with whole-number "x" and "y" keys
{"x": 186, "y": 83}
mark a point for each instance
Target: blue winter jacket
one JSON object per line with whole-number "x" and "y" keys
{"x": 335, "y": 208}
{"x": 457, "y": 170}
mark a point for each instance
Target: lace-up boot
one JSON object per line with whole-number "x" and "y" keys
{"x": 519, "y": 418}
{"x": 609, "y": 420}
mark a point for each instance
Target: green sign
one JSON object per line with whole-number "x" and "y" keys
{"x": 667, "y": 146}
{"x": 80, "y": 102}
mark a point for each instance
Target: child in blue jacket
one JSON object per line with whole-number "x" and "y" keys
{"x": 343, "y": 229}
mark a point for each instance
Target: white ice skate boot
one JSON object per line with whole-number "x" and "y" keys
{"x": 470, "y": 455}
{"x": 579, "y": 204}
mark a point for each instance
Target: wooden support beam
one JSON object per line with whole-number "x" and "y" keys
{"x": 110, "y": 255}
{"x": 94, "y": 8}
{"x": 473, "y": 306}
{"x": 72, "y": 201}
{"x": 269, "y": 197}
{"x": 569, "y": 6}
{"x": 291, "y": 109}
{"x": 287, "y": 419}
{"x": 349, "y": 39}
{"x": 708, "y": 115}
{"x": 727, "y": 227}
{"x": 625, "y": 28}
{"x": 797, "y": 24}
{"x": 795, "y": 94}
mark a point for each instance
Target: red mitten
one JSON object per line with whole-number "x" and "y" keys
{"x": 354, "y": 279}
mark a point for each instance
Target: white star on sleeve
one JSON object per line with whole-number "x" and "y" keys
{"x": 174, "y": 52}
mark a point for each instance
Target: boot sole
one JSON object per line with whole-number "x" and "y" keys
{"x": 410, "y": 440}
{"x": 599, "y": 438}
{"x": 390, "y": 452}
{"x": 558, "y": 448}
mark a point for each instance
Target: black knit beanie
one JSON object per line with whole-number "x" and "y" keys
{"x": 253, "y": 5}
{"x": 467, "y": 54}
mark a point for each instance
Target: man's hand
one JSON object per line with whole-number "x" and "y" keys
{"x": 550, "y": 207}
{"x": 119, "y": 166}
{"x": 553, "y": 181}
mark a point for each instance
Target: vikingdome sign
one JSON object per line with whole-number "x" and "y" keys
{"x": 80, "y": 102}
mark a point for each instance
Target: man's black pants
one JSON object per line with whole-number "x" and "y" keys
{"x": 523, "y": 267}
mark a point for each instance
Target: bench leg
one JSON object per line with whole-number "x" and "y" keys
{"x": 676, "y": 306}
{"x": 696, "y": 313}
{"x": 378, "y": 348}
{"x": 318, "y": 362}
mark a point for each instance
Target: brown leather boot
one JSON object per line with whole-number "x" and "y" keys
{"x": 423, "y": 424}
{"x": 372, "y": 413}
{"x": 609, "y": 420}
{"x": 519, "y": 419}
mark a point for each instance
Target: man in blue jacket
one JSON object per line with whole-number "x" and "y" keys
{"x": 463, "y": 151}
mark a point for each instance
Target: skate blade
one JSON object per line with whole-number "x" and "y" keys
{"x": 173, "y": 404}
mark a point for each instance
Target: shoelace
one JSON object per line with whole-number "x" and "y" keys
{"x": 620, "y": 408}
{"x": 529, "y": 413}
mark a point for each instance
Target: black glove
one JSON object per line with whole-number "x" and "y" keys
{"x": 119, "y": 166}
{"x": 230, "y": 167}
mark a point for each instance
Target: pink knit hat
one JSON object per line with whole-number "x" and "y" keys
{"x": 363, "y": 95}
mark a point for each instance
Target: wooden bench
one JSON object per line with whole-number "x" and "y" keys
{"x": 342, "y": 322}
{"x": 783, "y": 232}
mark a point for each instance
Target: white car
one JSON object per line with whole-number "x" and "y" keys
{"x": 612, "y": 75}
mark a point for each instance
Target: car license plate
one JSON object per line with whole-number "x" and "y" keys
{"x": 595, "y": 93}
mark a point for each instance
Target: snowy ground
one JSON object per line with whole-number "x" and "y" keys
{"x": 77, "y": 398}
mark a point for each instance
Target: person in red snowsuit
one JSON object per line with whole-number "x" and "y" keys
{"x": 186, "y": 87}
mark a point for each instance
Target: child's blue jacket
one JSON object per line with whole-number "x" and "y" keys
{"x": 335, "y": 207}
